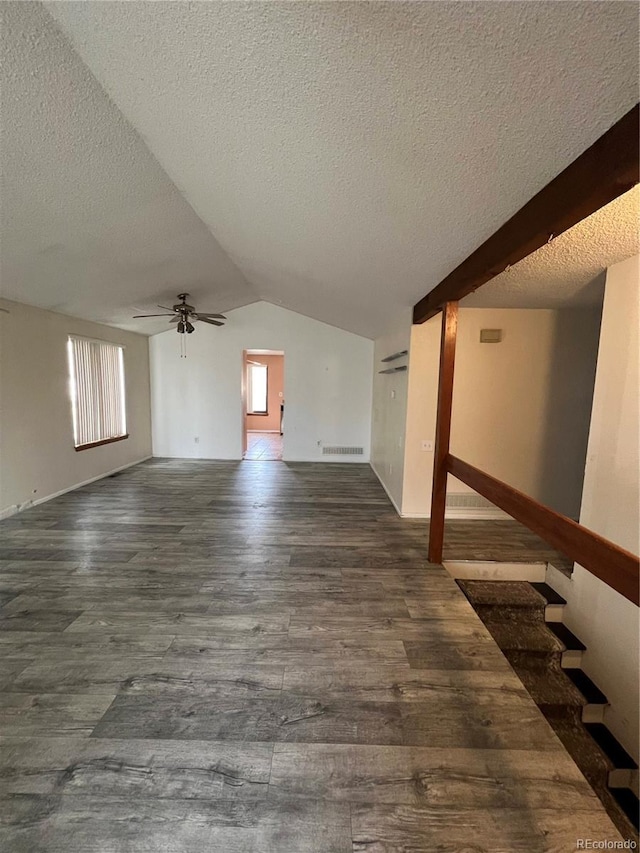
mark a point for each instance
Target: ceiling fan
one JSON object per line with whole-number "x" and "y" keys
{"x": 185, "y": 315}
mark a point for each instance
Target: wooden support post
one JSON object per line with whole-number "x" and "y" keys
{"x": 443, "y": 430}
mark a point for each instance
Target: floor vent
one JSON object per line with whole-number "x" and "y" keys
{"x": 342, "y": 451}
{"x": 464, "y": 500}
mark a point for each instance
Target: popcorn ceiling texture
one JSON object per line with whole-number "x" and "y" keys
{"x": 572, "y": 266}
{"x": 346, "y": 156}
{"x": 91, "y": 224}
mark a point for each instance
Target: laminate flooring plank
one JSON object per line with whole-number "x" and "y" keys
{"x": 285, "y": 651}
{"x": 79, "y": 601}
{"x": 65, "y": 555}
{"x": 10, "y": 668}
{"x": 21, "y": 618}
{"x": 181, "y": 623}
{"x": 134, "y": 768}
{"x": 465, "y": 654}
{"x": 258, "y": 658}
{"x": 112, "y": 825}
{"x": 150, "y": 675}
{"x": 354, "y": 557}
{"x": 430, "y": 777}
{"x": 6, "y": 596}
{"x": 77, "y": 645}
{"x": 13, "y": 583}
{"x": 400, "y": 683}
{"x": 301, "y": 718}
{"x": 400, "y": 828}
{"x": 53, "y": 715}
{"x": 381, "y": 628}
{"x": 57, "y": 824}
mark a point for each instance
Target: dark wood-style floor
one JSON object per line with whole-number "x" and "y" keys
{"x": 256, "y": 658}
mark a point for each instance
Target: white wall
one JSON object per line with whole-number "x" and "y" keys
{"x": 327, "y": 385}
{"x": 422, "y": 400}
{"x": 605, "y": 621}
{"x": 520, "y": 407}
{"x": 37, "y": 455}
{"x": 389, "y": 414}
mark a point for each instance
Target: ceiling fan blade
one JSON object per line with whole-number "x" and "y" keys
{"x": 165, "y": 308}
{"x": 207, "y": 320}
{"x": 213, "y": 316}
{"x": 174, "y": 319}
{"x": 138, "y": 316}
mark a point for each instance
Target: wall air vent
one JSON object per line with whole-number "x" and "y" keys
{"x": 467, "y": 500}
{"x": 342, "y": 451}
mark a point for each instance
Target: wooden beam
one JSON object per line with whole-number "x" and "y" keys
{"x": 606, "y": 170}
{"x": 443, "y": 430}
{"x": 613, "y": 565}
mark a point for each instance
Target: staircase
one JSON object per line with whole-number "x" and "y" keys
{"x": 525, "y": 619}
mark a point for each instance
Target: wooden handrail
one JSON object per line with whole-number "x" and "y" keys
{"x": 613, "y": 565}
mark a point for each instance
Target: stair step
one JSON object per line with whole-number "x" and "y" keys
{"x": 547, "y": 685}
{"x": 548, "y": 593}
{"x": 566, "y": 637}
{"x": 617, "y": 754}
{"x": 572, "y": 659}
{"x": 533, "y": 637}
{"x": 501, "y": 594}
{"x": 628, "y": 802}
{"x": 625, "y": 779}
{"x": 585, "y": 685}
{"x": 592, "y": 760}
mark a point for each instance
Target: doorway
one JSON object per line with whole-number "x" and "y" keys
{"x": 263, "y": 409}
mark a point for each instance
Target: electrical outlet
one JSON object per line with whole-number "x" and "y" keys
{"x": 197, "y": 439}
{"x": 393, "y": 395}
{"x": 426, "y": 446}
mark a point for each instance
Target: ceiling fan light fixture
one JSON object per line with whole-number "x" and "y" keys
{"x": 184, "y": 316}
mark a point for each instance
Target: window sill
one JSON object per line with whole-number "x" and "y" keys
{"x": 103, "y": 441}
{"x": 258, "y": 414}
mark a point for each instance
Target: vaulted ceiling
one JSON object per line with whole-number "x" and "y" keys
{"x": 336, "y": 158}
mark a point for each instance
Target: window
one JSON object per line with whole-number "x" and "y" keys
{"x": 96, "y": 371}
{"x": 257, "y": 388}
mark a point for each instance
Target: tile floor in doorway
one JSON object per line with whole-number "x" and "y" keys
{"x": 264, "y": 446}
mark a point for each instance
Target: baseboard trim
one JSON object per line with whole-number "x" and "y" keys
{"x": 17, "y": 508}
{"x": 465, "y": 513}
{"x": 468, "y": 513}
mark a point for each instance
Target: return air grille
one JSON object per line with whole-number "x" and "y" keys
{"x": 467, "y": 500}
{"x": 342, "y": 451}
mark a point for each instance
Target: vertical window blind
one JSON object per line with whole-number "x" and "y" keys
{"x": 97, "y": 390}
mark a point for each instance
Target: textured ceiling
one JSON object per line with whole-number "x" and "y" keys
{"x": 568, "y": 271}
{"x": 91, "y": 225}
{"x": 346, "y": 156}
